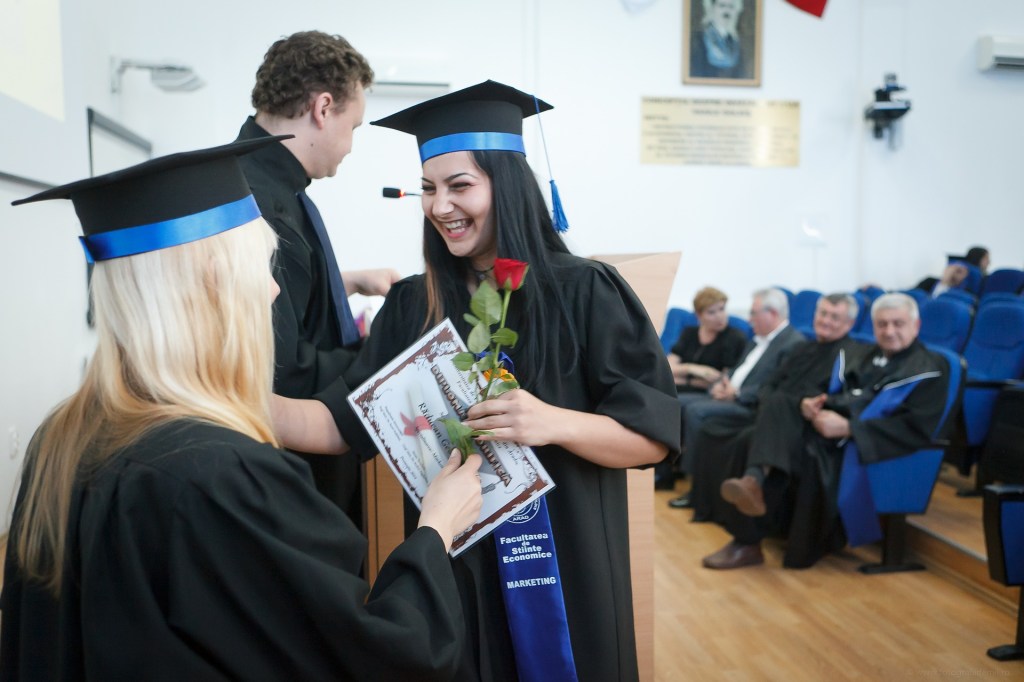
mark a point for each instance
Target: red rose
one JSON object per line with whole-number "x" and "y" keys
{"x": 509, "y": 273}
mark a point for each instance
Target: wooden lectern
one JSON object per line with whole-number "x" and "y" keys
{"x": 651, "y": 276}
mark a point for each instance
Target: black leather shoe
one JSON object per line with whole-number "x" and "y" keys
{"x": 681, "y": 502}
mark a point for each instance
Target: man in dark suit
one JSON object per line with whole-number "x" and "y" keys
{"x": 737, "y": 391}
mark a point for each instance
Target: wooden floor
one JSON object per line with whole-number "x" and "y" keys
{"x": 829, "y": 622}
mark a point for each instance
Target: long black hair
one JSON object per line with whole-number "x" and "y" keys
{"x": 524, "y": 233}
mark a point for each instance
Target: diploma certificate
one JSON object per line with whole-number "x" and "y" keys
{"x": 401, "y": 407}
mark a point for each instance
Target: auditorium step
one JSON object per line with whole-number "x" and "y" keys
{"x": 949, "y": 541}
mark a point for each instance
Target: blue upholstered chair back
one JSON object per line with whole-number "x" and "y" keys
{"x": 994, "y": 352}
{"x": 675, "y": 321}
{"x": 801, "y": 312}
{"x": 959, "y": 295}
{"x": 1008, "y": 280}
{"x": 971, "y": 283}
{"x": 946, "y": 322}
{"x": 904, "y": 485}
{"x": 919, "y": 295}
{"x": 742, "y": 325}
{"x": 1003, "y": 518}
{"x": 1000, "y": 296}
{"x": 863, "y": 329}
{"x": 872, "y": 292}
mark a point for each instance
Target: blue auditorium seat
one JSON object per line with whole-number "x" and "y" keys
{"x": 1004, "y": 296}
{"x": 1004, "y": 280}
{"x": 801, "y": 311}
{"x": 945, "y": 322}
{"x": 863, "y": 329}
{"x": 1003, "y": 520}
{"x": 971, "y": 283}
{"x": 994, "y": 354}
{"x": 960, "y": 295}
{"x": 871, "y": 291}
{"x": 675, "y": 321}
{"x": 742, "y": 325}
{"x": 919, "y": 295}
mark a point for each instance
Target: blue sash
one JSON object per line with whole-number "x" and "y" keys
{"x": 532, "y": 588}
{"x": 837, "y": 381}
{"x": 856, "y": 504}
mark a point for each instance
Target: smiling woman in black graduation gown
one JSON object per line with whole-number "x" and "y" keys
{"x": 598, "y": 395}
{"x": 159, "y": 533}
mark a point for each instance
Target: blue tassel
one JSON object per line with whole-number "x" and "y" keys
{"x": 561, "y": 223}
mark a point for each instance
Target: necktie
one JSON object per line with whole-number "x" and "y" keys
{"x": 346, "y": 324}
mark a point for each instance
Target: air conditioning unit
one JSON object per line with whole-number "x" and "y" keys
{"x": 1000, "y": 52}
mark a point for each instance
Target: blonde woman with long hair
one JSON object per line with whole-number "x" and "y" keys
{"x": 159, "y": 532}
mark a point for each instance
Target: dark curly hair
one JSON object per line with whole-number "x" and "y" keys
{"x": 305, "y": 63}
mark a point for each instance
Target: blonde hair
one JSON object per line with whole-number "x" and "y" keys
{"x": 707, "y": 297}
{"x": 183, "y": 332}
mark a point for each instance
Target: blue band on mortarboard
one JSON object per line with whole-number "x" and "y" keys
{"x": 155, "y": 236}
{"x": 464, "y": 142}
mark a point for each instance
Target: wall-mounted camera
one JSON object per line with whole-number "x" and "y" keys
{"x": 887, "y": 107}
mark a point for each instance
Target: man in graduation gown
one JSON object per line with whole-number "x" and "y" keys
{"x": 792, "y": 475}
{"x": 722, "y": 443}
{"x": 315, "y": 335}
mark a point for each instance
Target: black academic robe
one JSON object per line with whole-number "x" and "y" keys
{"x": 723, "y": 442}
{"x": 802, "y": 487}
{"x": 199, "y": 554}
{"x": 621, "y": 372}
{"x": 308, "y": 356}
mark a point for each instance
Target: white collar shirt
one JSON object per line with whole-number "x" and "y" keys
{"x": 761, "y": 344}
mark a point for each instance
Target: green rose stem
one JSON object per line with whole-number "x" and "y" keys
{"x": 497, "y": 345}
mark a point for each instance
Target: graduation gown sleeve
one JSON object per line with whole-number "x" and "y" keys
{"x": 626, "y": 369}
{"x": 293, "y": 593}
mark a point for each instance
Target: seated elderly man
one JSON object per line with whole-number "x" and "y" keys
{"x": 791, "y": 482}
{"x": 735, "y": 392}
{"x": 722, "y": 442}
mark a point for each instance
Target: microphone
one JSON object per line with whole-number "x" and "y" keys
{"x": 395, "y": 193}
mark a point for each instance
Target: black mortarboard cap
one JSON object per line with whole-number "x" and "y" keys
{"x": 162, "y": 202}
{"x": 485, "y": 116}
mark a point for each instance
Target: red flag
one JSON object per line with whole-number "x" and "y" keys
{"x": 815, "y": 7}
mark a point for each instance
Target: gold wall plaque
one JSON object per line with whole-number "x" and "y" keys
{"x": 720, "y": 132}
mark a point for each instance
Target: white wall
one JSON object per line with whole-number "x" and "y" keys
{"x": 888, "y": 216}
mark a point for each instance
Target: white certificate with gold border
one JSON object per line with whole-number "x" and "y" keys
{"x": 401, "y": 407}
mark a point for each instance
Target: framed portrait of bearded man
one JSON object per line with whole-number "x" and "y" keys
{"x": 722, "y": 42}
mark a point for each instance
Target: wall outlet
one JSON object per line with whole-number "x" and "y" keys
{"x": 13, "y": 443}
